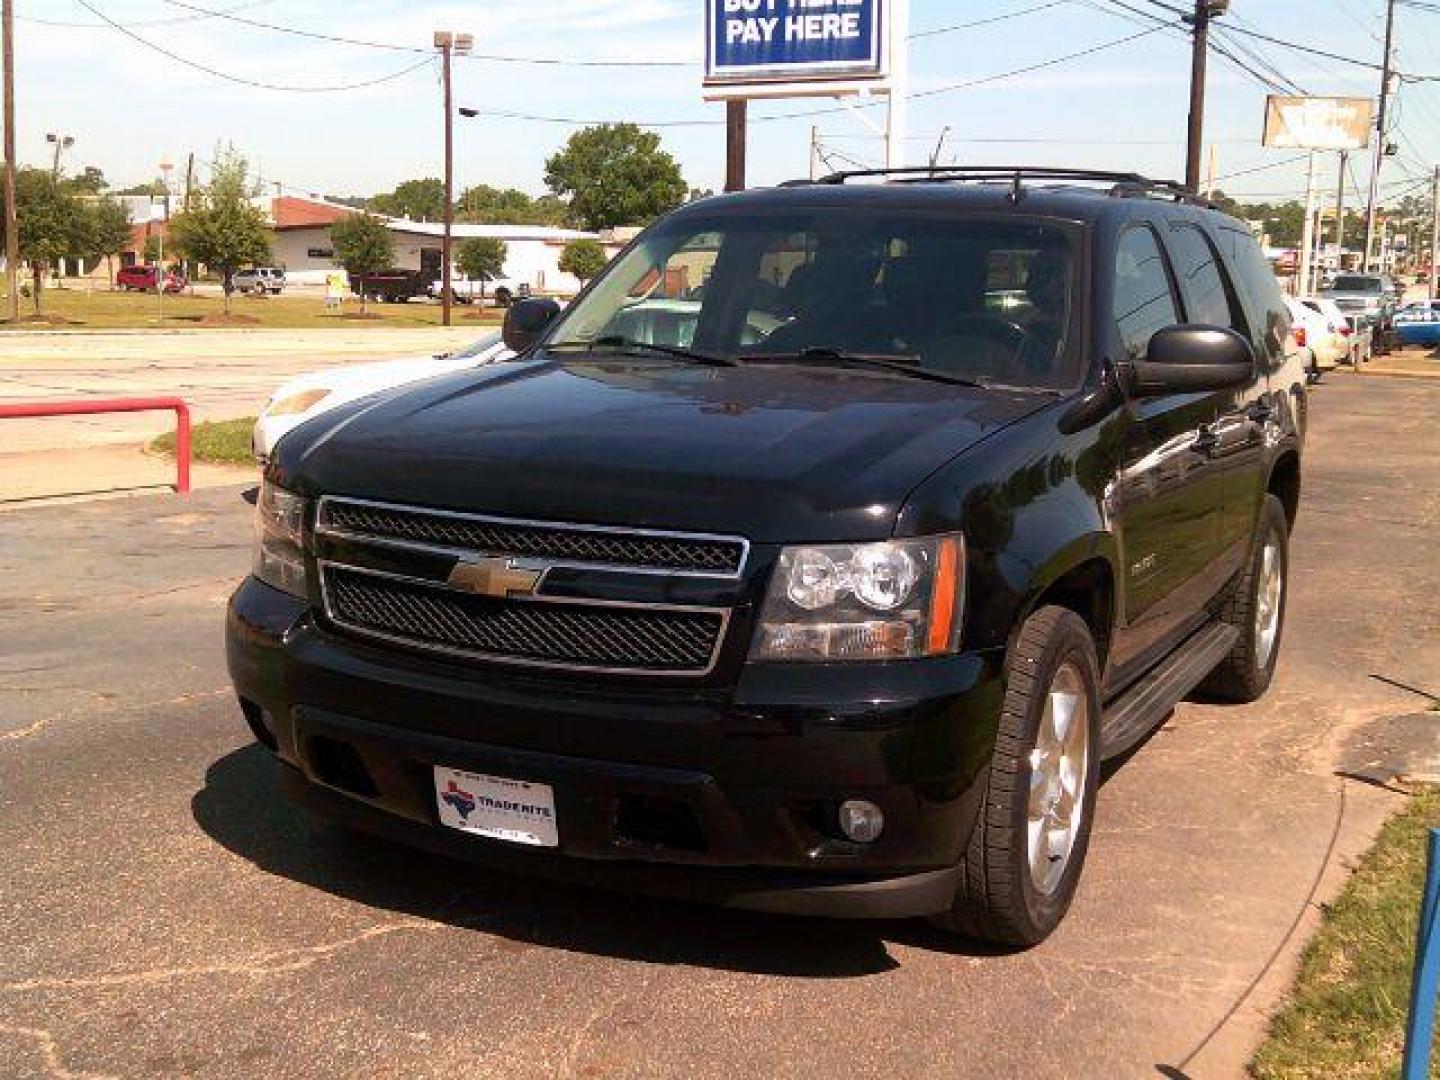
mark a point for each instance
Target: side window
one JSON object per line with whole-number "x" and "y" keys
{"x": 1144, "y": 300}
{"x": 1261, "y": 291}
{"x": 1207, "y": 291}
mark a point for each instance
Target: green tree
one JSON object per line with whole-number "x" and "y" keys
{"x": 223, "y": 228}
{"x": 584, "y": 258}
{"x": 508, "y": 206}
{"x": 105, "y": 232}
{"x": 153, "y": 187}
{"x": 89, "y": 181}
{"x": 481, "y": 258}
{"x": 150, "y": 252}
{"x": 363, "y": 244}
{"x": 616, "y": 174}
{"x": 50, "y": 222}
{"x": 418, "y": 200}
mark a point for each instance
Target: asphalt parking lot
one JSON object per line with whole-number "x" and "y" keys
{"x": 165, "y": 913}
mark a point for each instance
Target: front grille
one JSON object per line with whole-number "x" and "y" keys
{"x": 576, "y": 544}
{"x": 575, "y": 636}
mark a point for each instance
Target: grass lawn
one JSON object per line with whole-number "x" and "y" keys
{"x": 225, "y": 442}
{"x": 103, "y": 309}
{"x": 1346, "y": 1014}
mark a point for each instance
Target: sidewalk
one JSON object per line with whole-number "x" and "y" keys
{"x": 38, "y": 476}
{"x": 1414, "y": 362}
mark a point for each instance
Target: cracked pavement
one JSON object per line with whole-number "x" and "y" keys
{"x": 163, "y": 912}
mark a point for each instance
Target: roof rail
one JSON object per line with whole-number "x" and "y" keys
{"x": 1125, "y": 184}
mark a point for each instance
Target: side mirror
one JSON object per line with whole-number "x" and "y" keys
{"x": 1193, "y": 359}
{"x": 527, "y": 320}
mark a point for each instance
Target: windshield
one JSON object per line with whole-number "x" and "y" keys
{"x": 489, "y": 341}
{"x": 1350, "y": 283}
{"x": 968, "y": 296}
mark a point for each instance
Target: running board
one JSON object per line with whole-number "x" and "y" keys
{"x": 1142, "y": 708}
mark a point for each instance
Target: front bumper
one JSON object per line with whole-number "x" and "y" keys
{"x": 724, "y": 795}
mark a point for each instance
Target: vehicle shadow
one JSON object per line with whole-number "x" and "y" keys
{"x": 242, "y": 808}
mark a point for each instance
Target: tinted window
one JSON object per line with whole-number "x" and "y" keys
{"x": 1260, "y": 290}
{"x": 1144, "y": 300}
{"x": 973, "y": 296}
{"x": 1207, "y": 293}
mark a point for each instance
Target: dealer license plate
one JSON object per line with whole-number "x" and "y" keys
{"x": 515, "y": 810}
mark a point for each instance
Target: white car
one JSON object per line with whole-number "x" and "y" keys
{"x": 1348, "y": 344}
{"x": 501, "y": 292}
{"x": 307, "y": 396}
{"x": 1323, "y": 346}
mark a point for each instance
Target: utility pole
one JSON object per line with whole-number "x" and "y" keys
{"x": 448, "y": 44}
{"x": 736, "y": 110}
{"x": 12, "y": 230}
{"x": 1435, "y": 235}
{"x": 1307, "y": 235}
{"x": 1205, "y": 10}
{"x": 1380, "y": 147}
{"x": 1340, "y": 212}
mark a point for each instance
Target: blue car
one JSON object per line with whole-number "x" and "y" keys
{"x": 1419, "y": 323}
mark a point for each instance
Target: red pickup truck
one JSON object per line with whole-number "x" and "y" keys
{"x": 144, "y": 279}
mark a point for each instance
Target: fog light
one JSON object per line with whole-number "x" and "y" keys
{"x": 861, "y": 821}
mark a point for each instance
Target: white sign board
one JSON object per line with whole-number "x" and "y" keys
{"x": 1318, "y": 123}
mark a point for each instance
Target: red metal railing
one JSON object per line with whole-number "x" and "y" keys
{"x": 16, "y": 410}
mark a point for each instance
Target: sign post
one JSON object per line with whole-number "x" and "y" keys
{"x": 842, "y": 49}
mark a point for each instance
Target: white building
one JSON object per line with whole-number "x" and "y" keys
{"x": 301, "y": 244}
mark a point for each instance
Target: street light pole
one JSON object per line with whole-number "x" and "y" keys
{"x": 62, "y": 142}
{"x": 12, "y": 230}
{"x": 1435, "y": 235}
{"x": 449, "y": 43}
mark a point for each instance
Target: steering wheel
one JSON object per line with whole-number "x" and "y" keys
{"x": 1004, "y": 332}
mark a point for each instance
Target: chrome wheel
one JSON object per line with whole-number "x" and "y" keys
{"x": 1058, "y": 767}
{"x": 1269, "y": 592}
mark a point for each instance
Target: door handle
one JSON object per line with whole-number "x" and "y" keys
{"x": 1258, "y": 412}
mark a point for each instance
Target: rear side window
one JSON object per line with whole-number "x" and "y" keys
{"x": 1144, "y": 298}
{"x": 1207, "y": 290}
{"x": 1261, "y": 291}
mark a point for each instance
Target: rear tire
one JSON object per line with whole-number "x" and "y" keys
{"x": 1255, "y": 606}
{"x": 1023, "y": 862}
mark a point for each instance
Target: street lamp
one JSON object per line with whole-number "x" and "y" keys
{"x": 165, "y": 167}
{"x": 61, "y": 142}
{"x": 449, "y": 44}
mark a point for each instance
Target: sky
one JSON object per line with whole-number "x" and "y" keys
{"x": 129, "y": 106}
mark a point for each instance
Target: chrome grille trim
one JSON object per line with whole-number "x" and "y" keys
{"x": 577, "y": 534}
{"x": 720, "y": 615}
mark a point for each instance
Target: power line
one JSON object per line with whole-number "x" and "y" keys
{"x": 390, "y": 46}
{"x": 936, "y": 31}
{"x": 1263, "y": 168}
{"x": 169, "y": 21}
{"x": 241, "y": 79}
{"x": 538, "y": 118}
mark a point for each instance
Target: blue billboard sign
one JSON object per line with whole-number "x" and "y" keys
{"x": 793, "y": 40}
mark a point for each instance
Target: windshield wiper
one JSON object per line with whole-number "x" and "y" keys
{"x": 902, "y": 363}
{"x": 624, "y": 344}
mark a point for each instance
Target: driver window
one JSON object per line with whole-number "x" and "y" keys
{"x": 1144, "y": 297}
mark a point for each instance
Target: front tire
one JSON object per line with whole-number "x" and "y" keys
{"x": 1021, "y": 868}
{"x": 1255, "y": 606}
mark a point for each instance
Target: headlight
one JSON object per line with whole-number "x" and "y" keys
{"x": 893, "y": 600}
{"x": 294, "y": 404}
{"x": 279, "y": 543}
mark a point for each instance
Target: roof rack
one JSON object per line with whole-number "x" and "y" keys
{"x": 1125, "y": 184}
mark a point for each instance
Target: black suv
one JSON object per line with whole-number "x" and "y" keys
{"x": 812, "y": 561}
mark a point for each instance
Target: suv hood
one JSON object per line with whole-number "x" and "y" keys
{"x": 772, "y": 452}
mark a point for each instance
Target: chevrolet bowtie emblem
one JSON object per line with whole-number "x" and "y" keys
{"x": 496, "y": 577}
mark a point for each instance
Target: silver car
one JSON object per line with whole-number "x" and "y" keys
{"x": 260, "y": 280}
